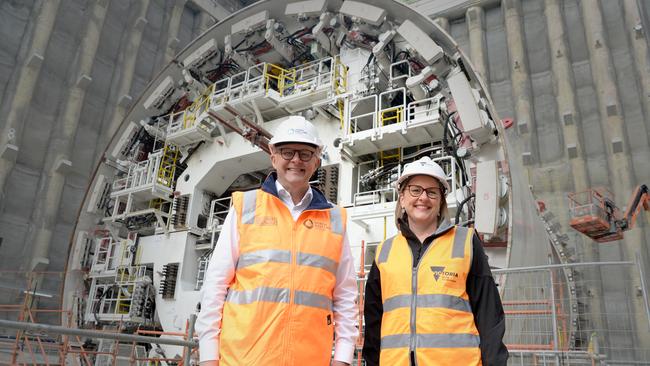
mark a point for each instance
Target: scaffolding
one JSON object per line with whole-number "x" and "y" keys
{"x": 31, "y": 333}
{"x": 549, "y": 319}
{"x": 65, "y": 346}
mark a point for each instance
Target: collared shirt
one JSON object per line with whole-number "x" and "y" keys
{"x": 221, "y": 272}
{"x": 296, "y": 209}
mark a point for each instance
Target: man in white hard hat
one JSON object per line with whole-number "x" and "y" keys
{"x": 281, "y": 282}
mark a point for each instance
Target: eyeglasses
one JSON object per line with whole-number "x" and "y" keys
{"x": 416, "y": 191}
{"x": 304, "y": 154}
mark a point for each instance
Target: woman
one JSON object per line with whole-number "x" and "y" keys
{"x": 430, "y": 296}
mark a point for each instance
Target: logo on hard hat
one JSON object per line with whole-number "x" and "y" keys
{"x": 298, "y": 131}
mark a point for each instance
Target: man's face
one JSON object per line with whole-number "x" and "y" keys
{"x": 294, "y": 172}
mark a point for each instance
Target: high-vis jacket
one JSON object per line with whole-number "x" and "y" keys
{"x": 426, "y": 309}
{"x": 278, "y": 310}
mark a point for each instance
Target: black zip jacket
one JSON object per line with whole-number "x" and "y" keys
{"x": 483, "y": 298}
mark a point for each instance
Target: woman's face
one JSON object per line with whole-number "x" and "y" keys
{"x": 423, "y": 209}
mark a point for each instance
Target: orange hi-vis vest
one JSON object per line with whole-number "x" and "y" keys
{"x": 278, "y": 310}
{"x": 426, "y": 309}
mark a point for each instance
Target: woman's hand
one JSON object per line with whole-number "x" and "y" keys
{"x": 210, "y": 363}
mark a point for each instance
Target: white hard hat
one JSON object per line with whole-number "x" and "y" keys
{"x": 424, "y": 166}
{"x": 296, "y": 129}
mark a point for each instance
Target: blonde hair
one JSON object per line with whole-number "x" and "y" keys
{"x": 443, "y": 213}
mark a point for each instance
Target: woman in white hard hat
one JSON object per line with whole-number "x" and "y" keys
{"x": 430, "y": 296}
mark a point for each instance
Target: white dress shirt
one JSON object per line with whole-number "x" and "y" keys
{"x": 221, "y": 272}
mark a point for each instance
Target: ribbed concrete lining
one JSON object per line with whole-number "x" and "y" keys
{"x": 550, "y": 180}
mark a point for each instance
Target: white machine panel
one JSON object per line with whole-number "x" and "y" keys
{"x": 251, "y": 22}
{"x": 206, "y": 51}
{"x": 96, "y": 194}
{"x": 487, "y": 197}
{"x": 310, "y": 7}
{"x": 162, "y": 92}
{"x": 420, "y": 41}
{"x": 127, "y": 135}
{"x": 366, "y": 12}
{"x": 474, "y": 120}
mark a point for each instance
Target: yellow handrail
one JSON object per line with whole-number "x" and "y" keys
{"x": 394, "y": 115}
{"x": 167, "y": 167}
{"x": 340, "y": 86}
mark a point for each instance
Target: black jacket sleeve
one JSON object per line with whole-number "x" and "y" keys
{"x": 373, "y": 310}
{"x": 487, "y": 308}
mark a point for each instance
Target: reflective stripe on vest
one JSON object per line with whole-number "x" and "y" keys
{"x": 318, "y": 261}
{"x": 385, "y": 250}
{"x": 263, "y": 256}
{"x": 336, "y": 222}
{"x": 426, "y": 308}
{"x": 431, "y": 341}
{"x": 284, "y": 256}
{"x": 427, "y": 301}
{"x": 267, "y": 294}
{"x": 248, "y": 209}
{"x": 279, "y": 295}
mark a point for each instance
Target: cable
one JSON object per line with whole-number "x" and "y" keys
{"x": 459, "y": 209}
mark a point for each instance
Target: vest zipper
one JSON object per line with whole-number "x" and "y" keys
{"x": 414, "y": 287}
{"x": 414, "y": 294}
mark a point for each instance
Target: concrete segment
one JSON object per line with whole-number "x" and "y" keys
{"x": 172, "y": 34}
{"x": 126, "y": 76}
{"x": 12, "y": 131}
{"x": 442, "y": 23}
{"x": 521, "y": 89}
{"x": 618, "y": 162}
{"x": 53, "y": 177}
{"x": 637, "y": 35}
{"x": 476, "y": 26}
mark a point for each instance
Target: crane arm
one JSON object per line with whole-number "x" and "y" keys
{"x": 640, "y": 198}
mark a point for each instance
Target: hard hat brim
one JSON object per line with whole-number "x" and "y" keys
{"x": 274, "y": 142}
{"x": 406, "y": 176}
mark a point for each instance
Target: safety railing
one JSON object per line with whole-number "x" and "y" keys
{"x": 423, "y": 111}
{"x": 255, "y": 79}
{"x": 375, "y": 197}
{"x": 218, "y": 211}
{"x": 452, "y": 171}
{"x": 187, "y": 118}
{"x": 396, "y": 76}
{"x": 167, "y": 166}
{"x": 550, "y": 320}
{"x": 362, "y": 114}
{"x": 237, "y": 86}
{"x": 278, "y": 78}
{"x": 220, "y": 92}
{"x": 392, "y": 104}
{"x": 204, "y": 260}
{"x": 60, "y": 349}
{"x": 139, "y": 174}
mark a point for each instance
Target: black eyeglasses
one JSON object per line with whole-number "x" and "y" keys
{"x": 303, "y": 154}
{"x": 416, "y": 190}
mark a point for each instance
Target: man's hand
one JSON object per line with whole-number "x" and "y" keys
{"x": 334, "y": 363}
{"x": 210, "y": 363}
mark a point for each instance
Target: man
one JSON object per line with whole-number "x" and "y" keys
{"x": 281, "y": 280}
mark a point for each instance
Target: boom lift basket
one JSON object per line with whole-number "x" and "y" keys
{"x": 594, "y": 214}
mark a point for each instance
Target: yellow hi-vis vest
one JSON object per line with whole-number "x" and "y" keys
{"x": 278, "y": 310}
{"x": 426, "y": 309}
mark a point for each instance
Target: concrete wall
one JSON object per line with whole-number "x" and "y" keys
{"x": 32, "y": 114}
{"x": 578, "y": 97}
